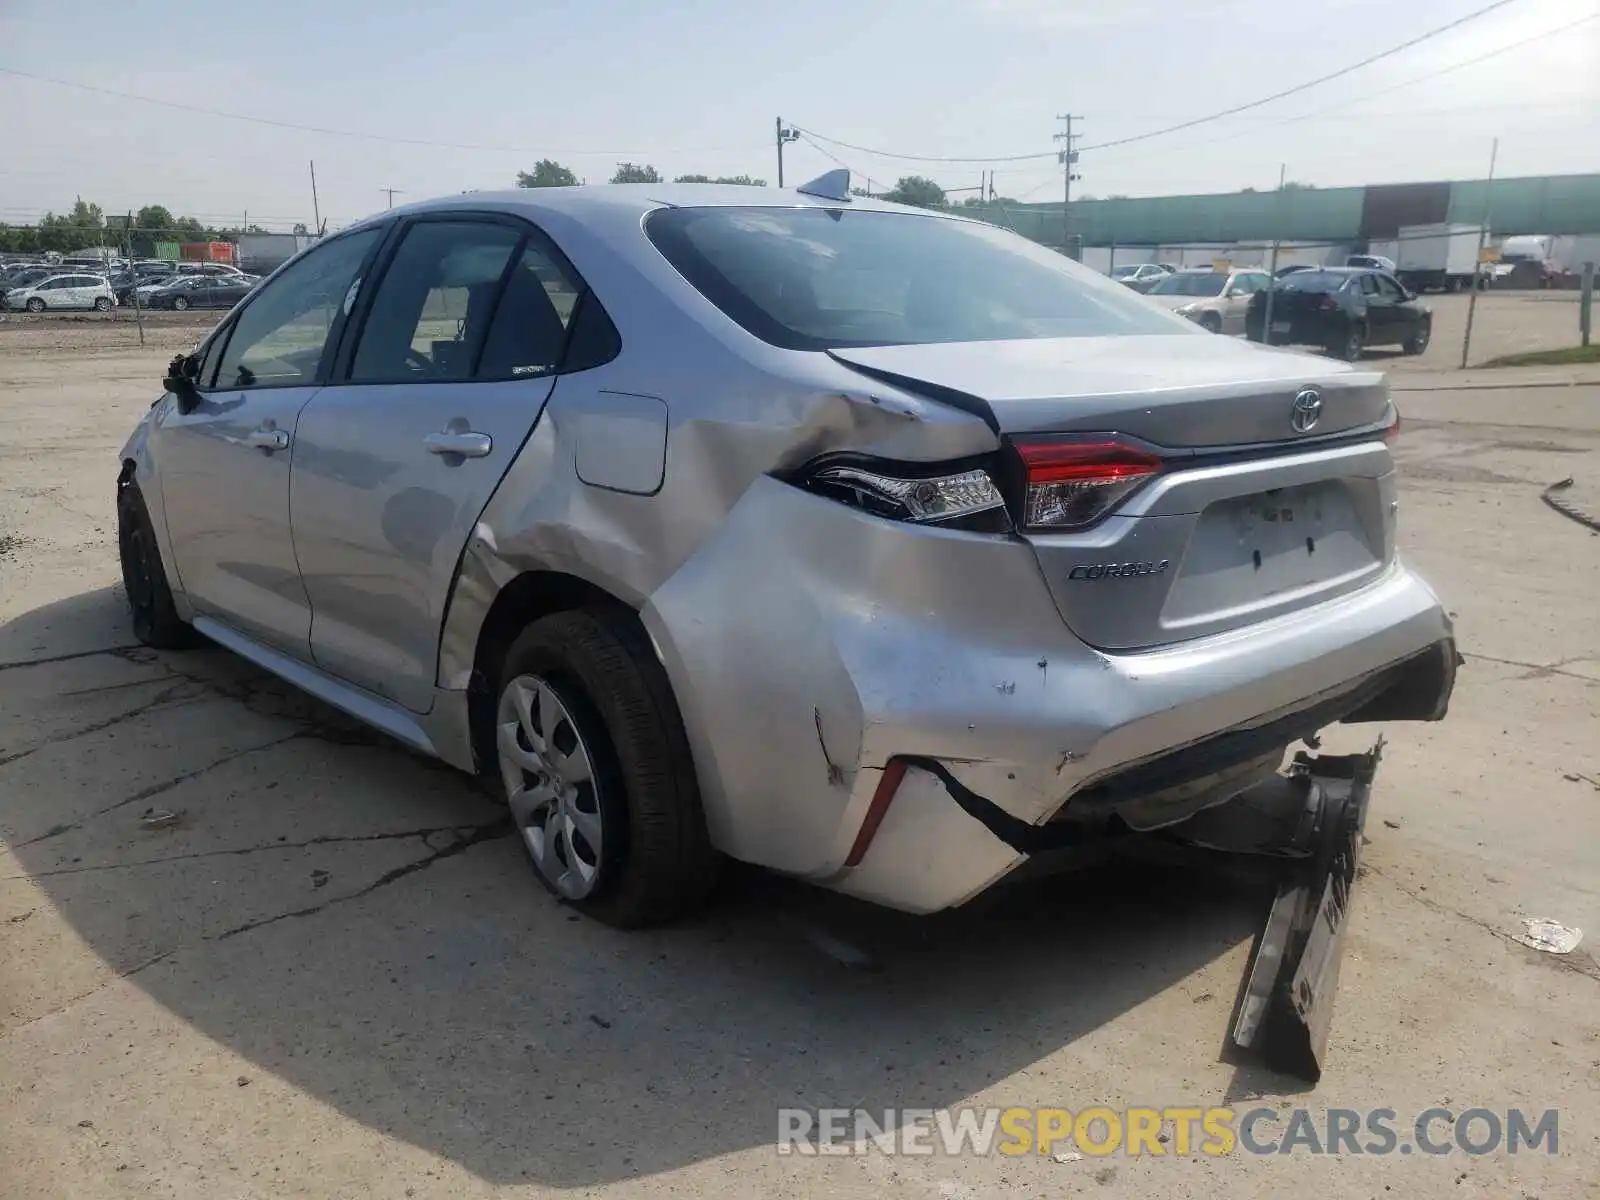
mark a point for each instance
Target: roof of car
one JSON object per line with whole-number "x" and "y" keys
{"x": 645, "y": 197}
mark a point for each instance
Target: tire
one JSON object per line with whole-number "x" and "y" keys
{"x": 1352, "y": 344}
{"x": 180, "y": 303}
{"x": 101, "y": 304}
{"x": 585, "y": 686}
{"x": 1418, "y": 341}
{"x": 1210, "y": 322}
{"x": 155, "y": 619}
{"x": 35, "y": 305}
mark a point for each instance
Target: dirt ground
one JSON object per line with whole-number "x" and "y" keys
{"x": 329, "y": 973}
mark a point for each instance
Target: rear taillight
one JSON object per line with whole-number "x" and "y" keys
{"x": 1327, "y": 304}
{"x": 951, "y": 499}
{"x": 1072, "y": 484}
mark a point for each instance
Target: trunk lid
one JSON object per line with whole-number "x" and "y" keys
{"x": 1178, "y": 390}
{"x": 1216, "y": 540}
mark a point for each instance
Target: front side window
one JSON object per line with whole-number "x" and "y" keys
{"x": 280, "y": 337}
{"x": 1369, "y": 284}
{"x": 1389, "y": 287}
{"x": 815, "y": 279}
{"x": 433, "y": 305}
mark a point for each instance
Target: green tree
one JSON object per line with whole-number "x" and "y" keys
{"x": 634, "y": 173}
{"x": 300, "y": 228}
{"x": 547, "y": 172}
{"x": 915, "y": 189}
{"x": 154, "y": 217}
{"x": 1294, "y": 185}
{"x": 736, "y": 180}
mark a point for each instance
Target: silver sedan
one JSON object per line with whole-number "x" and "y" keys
{"x": 876, "y": 546}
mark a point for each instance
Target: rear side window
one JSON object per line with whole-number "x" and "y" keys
{"x": 280, "y": 337}
{"x": 434, "y": 303}
{"x": 529, "y": 334}
{"x": 814, "y": 278}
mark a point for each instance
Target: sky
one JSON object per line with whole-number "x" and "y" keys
{"x": 696, "y": 85}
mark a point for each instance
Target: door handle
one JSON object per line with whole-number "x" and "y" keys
{"x": 268, "y": 439}
{"x": 465, "y": 442}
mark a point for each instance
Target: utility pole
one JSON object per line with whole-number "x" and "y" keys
{"x": 316, "y": 213}
{"x": 1069, "y": 159}
{"x": 138, "y": 312}
{"x": 392, "y": 193}
{"x": 789, "y": 134}
{"x": 1477, "y": 267}
{"x": 1272, "y": 266}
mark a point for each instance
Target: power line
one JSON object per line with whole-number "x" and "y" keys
{"x": 1311, "y": 83}
{"x": 1405, "y": 83}
{"x": 346, "y": 133}
{"x": 1189, "y": 124}
{"x": 1002, "y": 158}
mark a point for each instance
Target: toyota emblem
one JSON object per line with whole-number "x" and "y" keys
{"x": 1306, "y": 411}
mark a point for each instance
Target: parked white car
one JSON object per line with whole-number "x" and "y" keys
{"x": 1215, "y": 300}
{"x": 64, "y": 291}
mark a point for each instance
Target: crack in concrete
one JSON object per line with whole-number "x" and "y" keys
{"x": 1589, "y": 969}
{"x": 115, "y": 687}
{"x": 58, "y": 658}
{"x": 322, "y": 840}
{"x": 1542, "y": 669}
{"x": 156, "y": 789}
{"x": 150, "y": 705}
{"x": 129, "y": 973}
{"x": 475, "y": 835}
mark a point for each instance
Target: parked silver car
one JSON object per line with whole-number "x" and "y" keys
{"x": 857, "y": 541}
{"x": 1214, "y": 300}
{"x": 64, "y": 291}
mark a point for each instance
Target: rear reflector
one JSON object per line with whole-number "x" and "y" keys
{"x": 888, "y": 785}
{"x": 1070, "y": 485}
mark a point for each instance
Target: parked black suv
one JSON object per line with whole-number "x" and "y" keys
{"x": 1342, "y": 309}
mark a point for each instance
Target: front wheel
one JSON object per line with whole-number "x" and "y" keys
{"x": 35, "y": 305}
{"x": 155, "y": 618}
{"x": 1418, "y": 341}
{"x": 102, "y": 304}
{"x": 596, "y": 769}
{"x": 1211, "y": 323}
{"x": 180, "y": 303}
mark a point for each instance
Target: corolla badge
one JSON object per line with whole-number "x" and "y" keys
{"x": 1306, "y": 411}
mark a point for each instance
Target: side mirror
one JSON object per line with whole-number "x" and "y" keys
{"x": 182, "y": 372}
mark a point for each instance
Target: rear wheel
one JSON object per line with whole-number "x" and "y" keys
{"x": 1418, "y": 341}
{"x": 181, "y": 303}
{"x": 35, "y": 305}
{"x": 596, "y": 768}
{"x": 155, "y": 618}
{"x": 102, "y": 304}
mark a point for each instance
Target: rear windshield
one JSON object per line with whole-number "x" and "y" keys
{"x": 816, "y": 279}
{"x": 1312, "y": 281}
{"x": 1200, "y": 283}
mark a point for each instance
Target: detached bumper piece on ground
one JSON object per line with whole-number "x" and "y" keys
{"x": 1312, "y": 820}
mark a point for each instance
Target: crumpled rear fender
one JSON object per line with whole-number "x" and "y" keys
{"x": 808, "y": 642}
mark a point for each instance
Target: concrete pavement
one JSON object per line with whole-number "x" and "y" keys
{"x": 329, "y": 974}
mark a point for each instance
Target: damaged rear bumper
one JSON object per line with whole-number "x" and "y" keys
{"x": 853, "y": 646}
